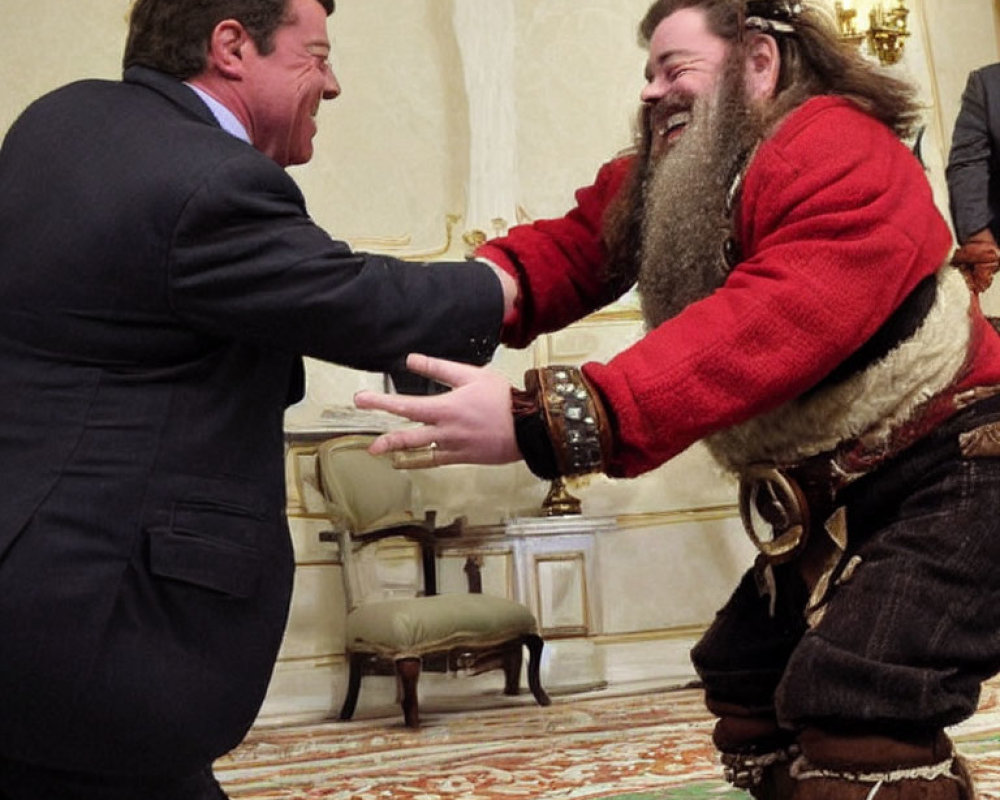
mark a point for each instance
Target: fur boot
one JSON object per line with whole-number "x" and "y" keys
{"x": 836, "y": 767}
{"x": 756, "y": 753}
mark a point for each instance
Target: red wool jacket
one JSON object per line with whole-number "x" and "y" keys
{"x": 837, "y": 225}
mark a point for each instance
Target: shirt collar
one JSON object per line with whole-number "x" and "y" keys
{"x": 226, "y": 118}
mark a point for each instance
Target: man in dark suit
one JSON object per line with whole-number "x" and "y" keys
{"x": 159, "y": 280}
{"x": 974, "y": 161}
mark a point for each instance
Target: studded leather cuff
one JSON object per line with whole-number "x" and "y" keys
{"x": 560, "y": 423}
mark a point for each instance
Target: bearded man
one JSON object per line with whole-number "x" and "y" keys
{"x": 802, "y": 321}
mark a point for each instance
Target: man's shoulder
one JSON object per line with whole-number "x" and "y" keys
{"x": 985, "y": 81}
{"x": 989, "y": 73}
{"x": 80, "y": 93}
{"x": 828, "y": 136}
{"x": 830, "y": 126}
{"x": 826, "y": 114}
{"x": 167, "y": 135}
{"x": 122, "y": 101}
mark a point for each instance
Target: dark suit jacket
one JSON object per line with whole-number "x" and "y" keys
{"x": 974, "y": 161}
{"x": 159, "y": 280}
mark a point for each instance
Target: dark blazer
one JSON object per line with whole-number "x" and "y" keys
{"x": 974, "y": 161}
{"x": 159, "y": 280}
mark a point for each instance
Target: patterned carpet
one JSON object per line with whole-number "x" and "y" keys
{"x": 651, "y": 746}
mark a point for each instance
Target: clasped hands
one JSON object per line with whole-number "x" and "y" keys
{"x": 471, "y": 424}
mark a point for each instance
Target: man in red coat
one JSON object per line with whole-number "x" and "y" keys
{"x": 803, "y": 323}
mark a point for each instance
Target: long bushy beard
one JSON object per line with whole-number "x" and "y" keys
{"x": 686, "y": 218}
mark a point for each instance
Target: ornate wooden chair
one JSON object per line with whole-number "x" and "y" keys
{"x": 404, "y": 628}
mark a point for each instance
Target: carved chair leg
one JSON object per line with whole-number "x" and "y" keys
{"x": 535, "y": 644}
{"x": 353, "y": 686}
{"x": 408, "y": 673}
{"x": 513, "y": 656}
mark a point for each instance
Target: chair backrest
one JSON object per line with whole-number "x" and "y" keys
{"x": 369, "y": 502}
{"x": 363, "y": 492}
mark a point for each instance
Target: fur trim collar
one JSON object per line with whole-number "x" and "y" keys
{"x": 873, "y": 402}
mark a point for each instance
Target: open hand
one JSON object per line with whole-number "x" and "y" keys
{"x": 471, "y": 424}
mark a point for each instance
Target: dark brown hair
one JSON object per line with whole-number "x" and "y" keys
{"x": 172, "y": 35}
{"x": 814, "y": 61}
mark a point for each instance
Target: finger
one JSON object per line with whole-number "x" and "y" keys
{"x": 450, "y": 373}
{"x": 418, "y": 409}
{"x": 404, "y": 439}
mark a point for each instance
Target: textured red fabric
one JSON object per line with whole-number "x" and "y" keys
{"x": 837, "y": 225}
{"x": 559, "y": 263}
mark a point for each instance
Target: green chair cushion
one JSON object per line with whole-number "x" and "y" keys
{"x": 411, "y": 627}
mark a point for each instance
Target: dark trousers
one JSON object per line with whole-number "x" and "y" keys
{"x": 24, "y": 782}
{"x": 908, "y": 638}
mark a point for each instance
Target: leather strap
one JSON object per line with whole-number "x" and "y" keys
{"x": 560, "y": 423}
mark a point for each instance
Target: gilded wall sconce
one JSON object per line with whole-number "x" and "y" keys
{"x": 887, "y": 28}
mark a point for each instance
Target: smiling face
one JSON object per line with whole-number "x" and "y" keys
{"x": 283, "y": 89}
{"x": 685, "y": 62}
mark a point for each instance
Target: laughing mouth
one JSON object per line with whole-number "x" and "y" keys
{"x": 673, "y": 124}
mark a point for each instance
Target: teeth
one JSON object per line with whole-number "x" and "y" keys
{"x": 677, "y": 120}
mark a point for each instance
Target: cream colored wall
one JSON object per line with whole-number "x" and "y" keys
{"x": 392, "y": 151}
{"x": 42, "y": 46}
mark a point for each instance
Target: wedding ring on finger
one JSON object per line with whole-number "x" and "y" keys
{"x": 416, "y": 457}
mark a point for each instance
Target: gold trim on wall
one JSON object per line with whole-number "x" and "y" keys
{"x": 996, "y": 21}
{"x": 613, "y": 314}
{"x": 387, "y": 245}
{"x": 654, "y": 519}
{"x": 662, "y": 634}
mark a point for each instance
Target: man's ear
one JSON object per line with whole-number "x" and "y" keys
{"x": 763, "y": 66}
{"x": 226, "y": 49}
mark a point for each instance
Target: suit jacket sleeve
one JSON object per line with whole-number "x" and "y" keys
{"x": 247, "y": 261}
{"x": 969, "y": 161}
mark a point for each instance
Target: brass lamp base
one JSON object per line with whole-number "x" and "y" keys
{"x": 559, "y": 502}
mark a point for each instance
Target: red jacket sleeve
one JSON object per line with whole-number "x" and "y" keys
{"x": 559, "y": 263}
{"x": 837, "y": 225}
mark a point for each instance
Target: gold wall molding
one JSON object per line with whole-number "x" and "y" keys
{"x": 654, "y": 519}
{"x": 679, "y": 633}
{"x": 396, "y": 246}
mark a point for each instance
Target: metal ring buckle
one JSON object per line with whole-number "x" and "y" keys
{"x": 770, "y": 497}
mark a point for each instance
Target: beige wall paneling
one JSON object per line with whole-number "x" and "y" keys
{"x": 45, "y": 44}
{"x": 496, "y": 570}
{"x": 561, "y": 594}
